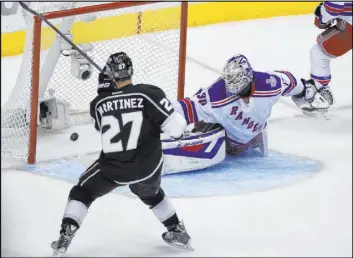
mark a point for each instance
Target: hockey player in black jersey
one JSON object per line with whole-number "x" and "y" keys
{"x": 130, "y": 119}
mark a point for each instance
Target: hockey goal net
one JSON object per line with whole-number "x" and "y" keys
{"x": 152, "y": 34}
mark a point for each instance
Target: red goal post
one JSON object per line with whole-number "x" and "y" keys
{"x": 36, "y": 49}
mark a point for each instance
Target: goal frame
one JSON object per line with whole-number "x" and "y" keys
{"x": 36, "y": 47}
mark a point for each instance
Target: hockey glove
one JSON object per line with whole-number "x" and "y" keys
{"x": 318, "y": 19}
{"x": 105, "y": 84}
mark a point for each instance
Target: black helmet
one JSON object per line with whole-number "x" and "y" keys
{"x": 119, "y": 66}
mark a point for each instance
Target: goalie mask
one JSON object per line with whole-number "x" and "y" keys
{"x": 238, "y": 75}
{"x": 119, "y": 66}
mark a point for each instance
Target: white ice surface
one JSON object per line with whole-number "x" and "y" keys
{"x": 310, "y": 218}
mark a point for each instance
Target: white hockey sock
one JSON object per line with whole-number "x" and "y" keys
{"x": 320, "y": 65}
{"x": 75, "y": 210}
{"x": 164, "y": 210}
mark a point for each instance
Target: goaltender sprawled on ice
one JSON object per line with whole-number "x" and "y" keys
{"x": 231, "y": 115}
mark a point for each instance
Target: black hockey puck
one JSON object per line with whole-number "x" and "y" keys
{"x": 74, "y": 136}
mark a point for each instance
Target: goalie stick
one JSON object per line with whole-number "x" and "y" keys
{"x": 72, "y": 44}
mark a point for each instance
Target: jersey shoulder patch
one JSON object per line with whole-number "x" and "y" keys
{"x": 267, "y": 84}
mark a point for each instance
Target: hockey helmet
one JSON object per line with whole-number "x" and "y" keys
{"x": 119, "y": 66}
{"x": 238, "y": 75}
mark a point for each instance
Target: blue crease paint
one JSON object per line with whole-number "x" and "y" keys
{"x": 235, "y": 175}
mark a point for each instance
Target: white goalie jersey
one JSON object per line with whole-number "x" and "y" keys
{"x": 241, "y": 121}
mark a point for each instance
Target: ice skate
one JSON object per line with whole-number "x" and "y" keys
{"x": 326, "y": 93}
{"x": 178, "y": 237}
{"x": 62, "y": 244}
{"x": 315, "y": 99}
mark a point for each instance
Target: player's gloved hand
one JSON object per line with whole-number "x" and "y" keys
{"x": 318, "y": 19}
{"x": 315, "y": 97}
{"x": 105, "y": 84}
{"x": 317, "y": 11}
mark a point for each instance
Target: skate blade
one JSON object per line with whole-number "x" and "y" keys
{"x": 317, "y": 115}
{"x": 58, "y": 253}
{"x": 188, "y": 246}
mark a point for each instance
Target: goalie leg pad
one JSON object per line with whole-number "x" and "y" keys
{"x": 194, "y": 151}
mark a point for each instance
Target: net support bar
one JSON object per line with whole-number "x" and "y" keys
{"x": 182, "y": 49}
{"x": 35, "y": 90}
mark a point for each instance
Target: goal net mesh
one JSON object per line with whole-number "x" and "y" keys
{"x": 149, "y": 34}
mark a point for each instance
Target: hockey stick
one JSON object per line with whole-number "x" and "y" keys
{"x": 73, "y": 45}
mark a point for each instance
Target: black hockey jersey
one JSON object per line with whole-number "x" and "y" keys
{"x": 129, "y": 120}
